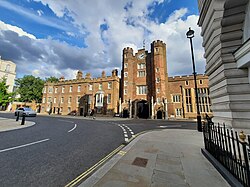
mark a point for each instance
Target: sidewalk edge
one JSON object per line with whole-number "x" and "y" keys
{"x": 221, "y": 169}
{"x": 98, "y": 174}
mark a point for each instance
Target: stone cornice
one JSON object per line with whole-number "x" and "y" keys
{"x": 204, "y": 11}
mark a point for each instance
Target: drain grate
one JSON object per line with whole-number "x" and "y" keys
{"x": 141, "y": 162}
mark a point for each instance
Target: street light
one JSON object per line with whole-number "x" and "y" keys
{"x": 190, "y": 35}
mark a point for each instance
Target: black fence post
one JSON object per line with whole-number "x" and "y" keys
{"x": 23, "y": 119}
{"x": 17, "y": 116}
{"x": 246, "y": 162}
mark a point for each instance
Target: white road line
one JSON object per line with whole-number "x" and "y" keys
{"x": 25, "y": 145}
{"x": 73, "y": 128}
{"x": 130, "y": 130}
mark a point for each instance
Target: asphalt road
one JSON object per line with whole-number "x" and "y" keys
{"x": 58, "y": 149}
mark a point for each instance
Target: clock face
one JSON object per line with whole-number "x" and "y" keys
{"x": 141, "y": 56}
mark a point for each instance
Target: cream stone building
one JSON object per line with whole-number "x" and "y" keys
{"x": 8, "y": 71}
{"x": 225, "y": 28}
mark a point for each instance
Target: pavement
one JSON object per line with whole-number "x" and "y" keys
{"x": 162, "y": 158}
{"x": 11, "y": 124}
{"x": 166, "y": 158}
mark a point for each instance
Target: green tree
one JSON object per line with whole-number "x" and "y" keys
{"x": 30, "y": 88}
{"x": 51, "y": 79}
{"x": 5, "y": 97}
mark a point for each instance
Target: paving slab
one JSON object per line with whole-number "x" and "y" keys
{"x": 172, "y": 158}
{"x": 7, "y": 124}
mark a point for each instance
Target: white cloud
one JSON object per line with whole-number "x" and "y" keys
{"x": 21, "y": 32}
{"x": 104, "y": 48}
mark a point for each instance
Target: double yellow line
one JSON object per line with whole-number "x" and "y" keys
{"x": 93, "y": 168}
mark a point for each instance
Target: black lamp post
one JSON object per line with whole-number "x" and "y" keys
{"x": 190, "y": 35}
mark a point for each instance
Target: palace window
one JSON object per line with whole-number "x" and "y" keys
{"x": 56, "y": 90}
{"x": 126, "y": 65}
{"x": 100, "y": 86}
{"x": 90, "y": 86}
{"x": 109, "y": 98}
{"x": 178, "y": 111}
{"x": 141, "y": 74}
{"x": 125, "y": 74}
{"x": 7, "y": 69}
{"x": 158, "y": 90}
{"x": 79, "y": 88}
{"x": 54, "y": 99}
{"x": 50, "y": 89}
{"x": 176, "y": 98}
{"x": 141, "y": 90}
{"x": 188, "y": 100}
{"x": 125, "y": 92}
{"x": 204, "y": 100}
{"x": 63, "y": 88}
{"x": 44, "y": 100}
{"x": 78, "y": 99}
{"x": 109, "y": 85}
{"x": 141, "y": 66}
{"x": 186, "y": 83}
{"x": 158, "y": 100}
{"x": 44, "y": 90}
{"x": 125, "y": 83}
{"x": 157, "y": 70}
{"x": 201, "y": 82}
{"x": 62, "y": 99}
{"x": 70, "y": 88}
{"x": 49, "y": 100}
{"x": 69, "y": 99}
{"x": 157, "y": 80}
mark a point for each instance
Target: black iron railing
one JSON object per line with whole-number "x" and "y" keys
{"x": 231, "y": 151}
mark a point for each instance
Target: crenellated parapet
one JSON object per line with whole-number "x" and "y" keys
{"x": 187, "y": 77}
{"x": 158, "y": 43}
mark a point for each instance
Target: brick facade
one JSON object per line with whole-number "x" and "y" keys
{"x": 144, "y": 90}
{"x": 155, "y": 95}
{"x": 82, "y": 95}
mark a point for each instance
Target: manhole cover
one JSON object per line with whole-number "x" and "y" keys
{"x": 141, "y": 162}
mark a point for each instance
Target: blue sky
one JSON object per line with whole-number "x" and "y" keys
{"x": 66, "y": 36}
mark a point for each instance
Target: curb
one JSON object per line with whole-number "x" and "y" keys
{"x": 18, "y": 126}
{"x": 97, "y": 175}
{"x": 221, "y": 169}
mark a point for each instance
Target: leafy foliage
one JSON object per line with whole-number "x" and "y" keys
{"x": 5, "y": 97}
{"x": 30, "y": 88}
{"x": 51, "y": 79}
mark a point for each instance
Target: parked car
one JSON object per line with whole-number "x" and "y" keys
{"x": 27, "y": 111}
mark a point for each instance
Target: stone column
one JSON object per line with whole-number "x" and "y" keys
{"x": 166, "y": 108}
{"x": 130, "y": 108}
{"x": 152, "y": 108}
{"x": 120, "y": 106}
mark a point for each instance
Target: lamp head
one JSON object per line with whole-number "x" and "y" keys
{"x": 190, "y": 33}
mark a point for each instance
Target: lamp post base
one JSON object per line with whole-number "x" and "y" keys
{"x": 199, "y": 124}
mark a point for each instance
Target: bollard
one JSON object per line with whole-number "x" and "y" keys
{"x": 23, "y": 119}
{"x": 17, "y": 116}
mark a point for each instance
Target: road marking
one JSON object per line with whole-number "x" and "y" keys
{"x": 25, "y": 145}
{"x": 126, "y": 130}
{"x": 93, "y": 168}
{"x": 73, "y": 128}
{"x": 122, "y": 153}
